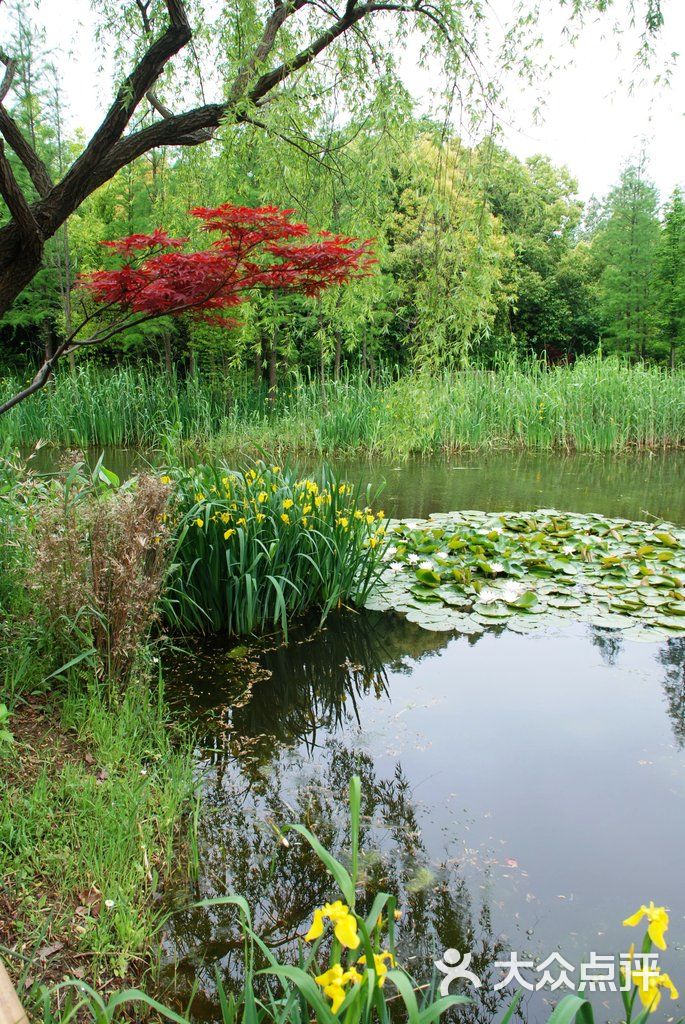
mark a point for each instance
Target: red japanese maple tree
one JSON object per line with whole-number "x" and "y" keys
{"x": 256, "y": 248}
{"x": 158, "y": 275}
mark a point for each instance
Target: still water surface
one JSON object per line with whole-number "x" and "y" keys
{"x": 521, "y": 793}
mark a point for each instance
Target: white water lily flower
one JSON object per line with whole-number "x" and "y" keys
{"x": 412, "y": 558}
{"x": 441, "y": 554}
{"x": 568, "y": 549}
{"x": 427, "y": 564}
{"x": 412, "y": 526}
{"x": 390, "y": 553}
{"x": 396, "y": 566}
{"x": 496, "y": 567}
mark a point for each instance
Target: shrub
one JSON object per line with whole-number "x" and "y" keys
{"x": 101, "y": 555}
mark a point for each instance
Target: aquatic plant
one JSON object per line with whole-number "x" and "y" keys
{"x": 596, "y": 405}
{"x": 466, "y": 571}
{"x": 254, "y": 549}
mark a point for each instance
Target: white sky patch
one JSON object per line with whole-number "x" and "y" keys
{"x": 593, "y": 122}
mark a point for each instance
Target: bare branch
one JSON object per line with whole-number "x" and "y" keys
{"x": 271, "y": 79}
{"x": 14, "y": 137}
{"x": 129, "y": 95}
{"x": 262, "y": 50}
{"x": 10, "y": 68}
{"x": 38, "y": 382}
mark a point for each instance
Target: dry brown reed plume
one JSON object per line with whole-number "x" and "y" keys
{"x": 101, "y": 561}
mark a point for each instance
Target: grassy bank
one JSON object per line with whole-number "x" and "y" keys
{"x": 92, "y": 802}
{"x": 594, "y": 406}
{"x": 96, "y": 783}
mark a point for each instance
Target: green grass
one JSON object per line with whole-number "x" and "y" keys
{"x": 96, "y": 810}
{"x": 254, "y": 549}
{"x": 594, "y": 406}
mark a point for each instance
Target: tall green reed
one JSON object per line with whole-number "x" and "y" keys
{"x": 595, "y": 405}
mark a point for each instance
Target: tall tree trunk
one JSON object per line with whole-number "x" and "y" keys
{"x": 167, "y": 353}
{"x": 338, "y": 354}
{"x": 273, "y": 365}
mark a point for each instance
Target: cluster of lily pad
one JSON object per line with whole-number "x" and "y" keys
{"x": 466, "y": 571}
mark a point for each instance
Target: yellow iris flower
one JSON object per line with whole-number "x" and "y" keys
{"x": 344, "y": 924}
{"x": 333, "y": 984}
{"x": 380, "y": 964}
{"x": 285, "y": 518}
{"x": 649, "y": 984}
{"x": 199, "y": 523}
{"x": 288, "y": 503}
{"x": 166, "y": 479}
{"x": 228, "y": 534}
{"x": 658, "y": 922}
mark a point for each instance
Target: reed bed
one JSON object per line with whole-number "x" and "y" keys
{"x": 596, "y": 405}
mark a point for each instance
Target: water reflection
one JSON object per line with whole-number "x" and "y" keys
{"x": 277, "y": 693}
{"x": 243, "y": 851}
{"x": 484, "y": 761}
{"x": 672, "y": 657}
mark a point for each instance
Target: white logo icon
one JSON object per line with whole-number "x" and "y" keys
{"x": 454, "y": 967}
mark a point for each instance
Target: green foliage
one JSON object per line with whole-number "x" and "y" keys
{"x": 253, "y": 550}
{"x": 595, "y": 405}
{"x": 670, "y": 278}
{"x": 109, "y": 830}
{"x": 626, "y": 243}
{"x": 93, "y": 798}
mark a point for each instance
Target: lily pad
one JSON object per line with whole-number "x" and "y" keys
{"x": 529, "y": 570}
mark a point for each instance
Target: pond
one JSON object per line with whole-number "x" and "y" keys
{"x": 522, "y": 793}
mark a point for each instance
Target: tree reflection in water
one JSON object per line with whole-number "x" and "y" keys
{"x": 672, "y": 657}
{"x": 282, "y": 734}
{"x": 259, "y": 774}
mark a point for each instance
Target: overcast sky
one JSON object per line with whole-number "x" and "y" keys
{"x": 592, "y": 123}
